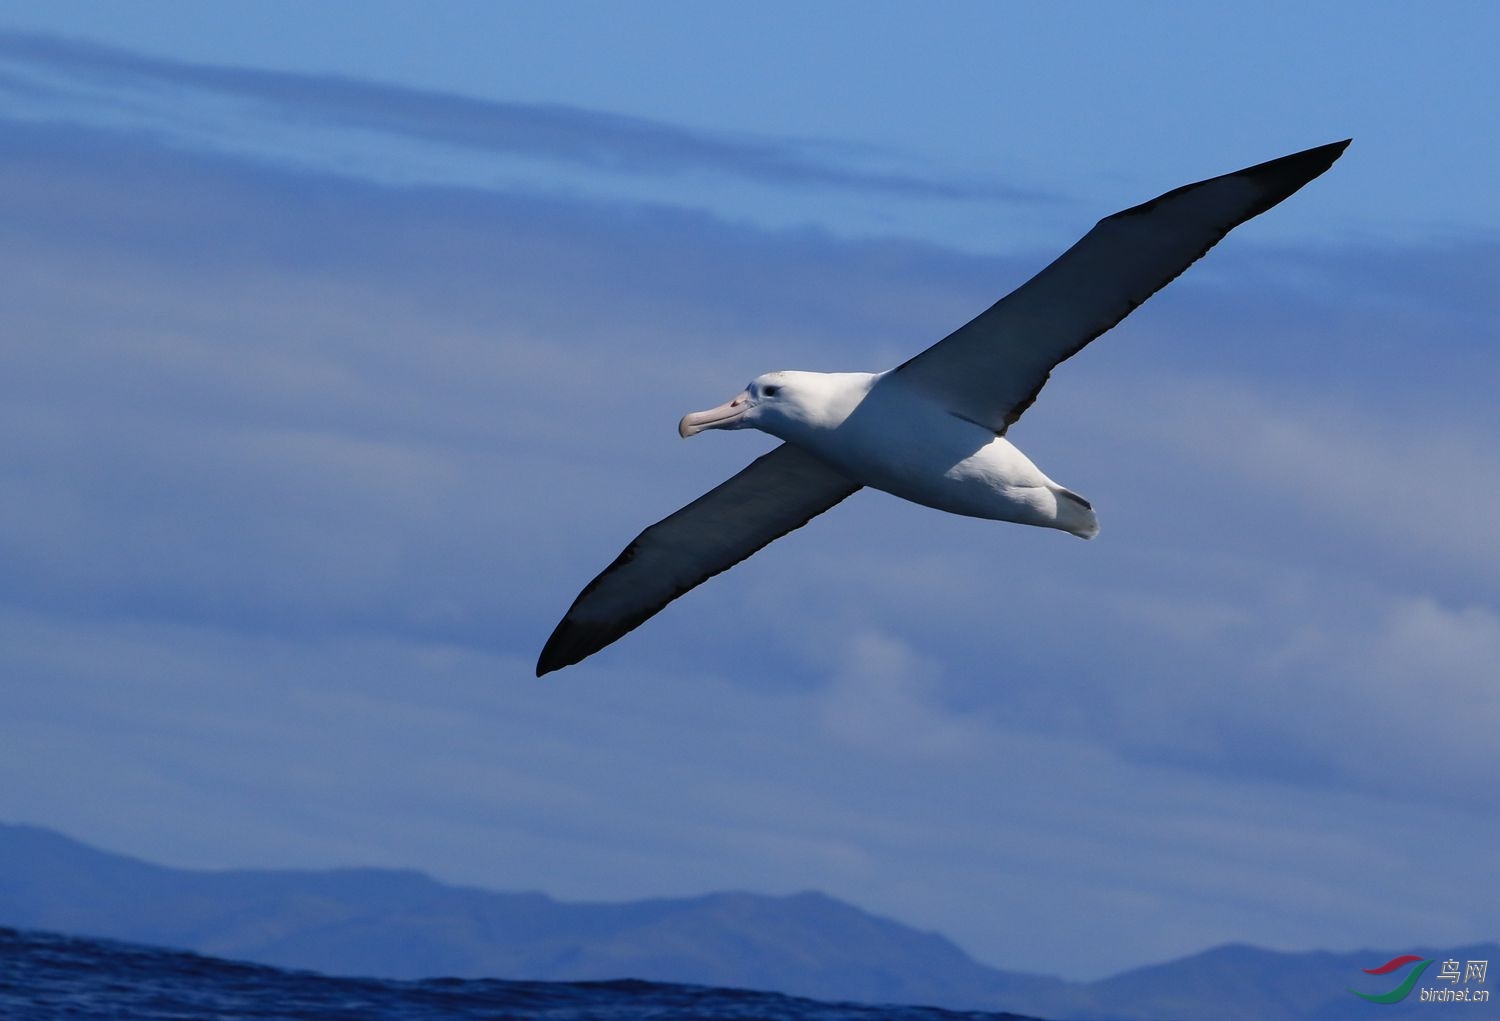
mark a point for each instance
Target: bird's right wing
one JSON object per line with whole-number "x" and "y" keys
{"x": 990, "y": 370}
{"x": 773, "y": 495}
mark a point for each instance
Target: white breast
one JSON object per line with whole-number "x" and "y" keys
{"x": 898, "y": 440}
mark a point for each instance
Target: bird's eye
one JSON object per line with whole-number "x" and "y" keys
{"x": 770, "y": 391}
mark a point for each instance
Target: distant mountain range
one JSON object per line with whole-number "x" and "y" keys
{"x": 400, "y": 924}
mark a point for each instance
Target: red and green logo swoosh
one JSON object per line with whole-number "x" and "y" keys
{"x": 1401, "y": 991}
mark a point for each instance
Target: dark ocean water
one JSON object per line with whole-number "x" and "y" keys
{"x": 45, "y": 976}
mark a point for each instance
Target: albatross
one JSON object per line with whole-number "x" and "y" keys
{"x": 933, "y": 429}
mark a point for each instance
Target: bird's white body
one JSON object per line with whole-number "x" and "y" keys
{"x": 881, "y": 433}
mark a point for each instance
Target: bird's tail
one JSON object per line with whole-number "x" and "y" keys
{"x": 1075, "y": 514}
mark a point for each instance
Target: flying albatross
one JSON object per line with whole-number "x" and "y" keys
{"x": 932, "y": 430}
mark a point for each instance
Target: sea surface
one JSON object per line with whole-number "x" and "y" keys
{"x": 45, "y": 976}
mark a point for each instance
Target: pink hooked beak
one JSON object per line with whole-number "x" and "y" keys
{"x": 714, "y": 418}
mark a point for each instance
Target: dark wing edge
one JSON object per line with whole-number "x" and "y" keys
{"x": 773, "y": 495}
{"x": 1174, "y": 246}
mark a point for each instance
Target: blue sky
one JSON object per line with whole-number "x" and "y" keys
{"x": 341, "y": 344}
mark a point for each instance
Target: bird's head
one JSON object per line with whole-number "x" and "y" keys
{"x": 769, "y": 403}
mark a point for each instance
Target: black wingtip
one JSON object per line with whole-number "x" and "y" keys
{"x": 552, "y": 655}
{"x": 1307, "y": 164}
{"x": 1277, "y": 179}
{"x": 1281, "y": 178}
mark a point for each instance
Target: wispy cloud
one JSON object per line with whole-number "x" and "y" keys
{"x": 56, "y": 73}
{"x": 883, "y": 697}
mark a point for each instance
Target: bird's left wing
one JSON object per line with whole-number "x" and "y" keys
{"x": 990, "y": 370}
{"x": 773, "y": 495}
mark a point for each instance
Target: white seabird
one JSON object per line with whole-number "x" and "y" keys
{"x": 932, "y": 430}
